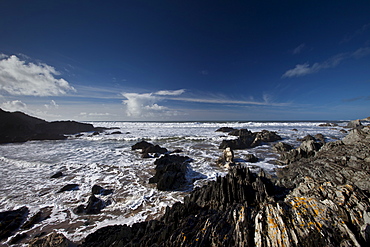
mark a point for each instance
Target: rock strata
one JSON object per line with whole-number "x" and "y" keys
{"x": 318, "y": 200}
{"x": 10, "y": 221}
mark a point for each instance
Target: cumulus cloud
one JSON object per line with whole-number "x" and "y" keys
{"x": 306, "y": 68}
{"x": 15, "y": 105}
{"x": 18, "y": 77}
{"x": 52, "y": 105}
{"x": 147, "y": 104}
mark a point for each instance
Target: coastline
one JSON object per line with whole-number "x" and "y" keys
{"x": 262, "y": 188}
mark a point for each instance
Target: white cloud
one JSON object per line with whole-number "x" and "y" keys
{"x": 169, "y": 92}
{"x": 18, "y": 77}
{"x": 15, "y": 105}
{"x": 52, "y": 105}
{"x": 305, "y": 69}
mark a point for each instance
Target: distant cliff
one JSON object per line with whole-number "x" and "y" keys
{"x": 20, "y": 127}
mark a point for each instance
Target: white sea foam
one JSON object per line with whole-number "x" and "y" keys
{"x": 107, "y": 160}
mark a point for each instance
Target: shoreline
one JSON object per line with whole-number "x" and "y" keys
{"x": 253, "y": 182}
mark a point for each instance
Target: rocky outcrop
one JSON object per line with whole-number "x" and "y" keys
{"x": 170, "y": 172}
{"x": 98, "y": 190}
{"x": 94, "y": 206}
{"x": 225, "y": 129}
{"x": 10, "y": 221}
{"x": 68, "y": 187}
{"x": 248, "y": 139}
{"x": 355, "y": 124}
{"x": 149, "y": 148}
{"x": 20, "y": 127}
{"x": 320, "y": 200}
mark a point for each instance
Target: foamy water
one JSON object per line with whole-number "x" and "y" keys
{"x": 107, "y": 160}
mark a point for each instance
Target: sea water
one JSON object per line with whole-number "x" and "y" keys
{"x": 107, "y": 160}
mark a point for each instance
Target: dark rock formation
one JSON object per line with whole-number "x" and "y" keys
{"x": 68, "y": 187}
{"x": 57, "y": 175}
{"x": 306, "y": 149}
{"x": 148, "y": 148}
{"x": 251, "y": 158}
{"x": 328, "y": 125}
{"x": 98, "y": 190}
{"x": 225, "y": 129}
{"x": 170, "y": 172}
{"x": 248, "y": 139}
{"x": 320, "y": 200}
{"x": 94, "y": 206}
{"x": 41, "y": 215}
{"x": 20, "y": 127}
{"x": 10, "y": 221}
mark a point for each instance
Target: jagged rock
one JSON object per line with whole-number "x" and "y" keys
{"x": 98, "y": 190}
{"x": 248, "y": 139}
{"x": 305, "y": 150}
{"x": 358, "y": 135}
{"x": 17, "y": 238}
{"x": 227, "y": 158}
{"x": 320, "y": 137}
{"x": 57, "y": 175}
{"x": 282, "y": 147}
{"x": 54, "y": 239}
{"x": 41, "y": 215}
{"x": 68, "y": 187}
{"x": 225, "y": 129}
{"x": 156, "y": 149}
{"x": 355, "y": 124}
{"x": 10, "y": 221}
{"x": 170, "y": 172}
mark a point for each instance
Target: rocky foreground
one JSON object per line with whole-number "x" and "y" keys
{"x": 320, "y": 198}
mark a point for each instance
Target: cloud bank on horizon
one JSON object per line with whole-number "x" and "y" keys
{"x": 206, "y": 60}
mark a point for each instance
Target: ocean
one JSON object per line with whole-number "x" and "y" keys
{"x": 107, "y": 160}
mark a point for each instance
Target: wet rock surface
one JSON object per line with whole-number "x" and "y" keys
{"x": 10, "y": 221}
{"x": 318, "y": 200}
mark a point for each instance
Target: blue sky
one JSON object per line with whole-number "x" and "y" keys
{"x": 186, "y": 60}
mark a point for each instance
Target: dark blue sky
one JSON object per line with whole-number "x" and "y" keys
{"x": 186, "y": 60}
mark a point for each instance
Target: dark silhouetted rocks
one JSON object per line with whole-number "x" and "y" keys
{"x": 10, "y": 221}
{"x": 57, "y": 175}
{"x": 148, "y": 148}
{"x": 170, "y": 172}
{"x": 68, "y": 187}
{"x": 20, "y": 127}
{"x": 225, "y": 129}
{"x": 94, "y": 206}
{"x": 98, "y": 190}
{"x": 41, "y": 215}
{"x": 248, "y": 139}
{"x": 282, "y": 147}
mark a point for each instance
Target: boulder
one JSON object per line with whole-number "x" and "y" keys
{"x": 68, "y": 187}
{"x": 170, "y": 172}
{"x": 227, "y": 158}
{"x": 251, "y": 158}
{"x": 154, "y": 149}
{"x": 248, "y": 139}
{"x": 10, "y": 221}
{"x": 281, "y": 147}
{"x": 354, "y": 124}
{"x": 94, "y": 206}
{"x": 141, "y": 145}
{"x": 98, "y": 190}
{"x": 306, "y": 149}
{"x": 225, "y": 129}
{"x": 57, "y": 175}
